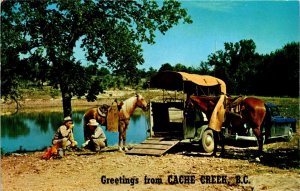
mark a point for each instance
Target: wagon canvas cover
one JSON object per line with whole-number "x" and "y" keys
{"x": 177, "y": 80}
{"x": 182, "y": 81}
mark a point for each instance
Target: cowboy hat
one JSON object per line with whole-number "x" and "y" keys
{"x": 93, "y": 122}
{"x": 68, "y": 118}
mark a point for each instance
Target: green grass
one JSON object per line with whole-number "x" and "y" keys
{"x": 289, "y": 107}
{"x": 46, "y": 92}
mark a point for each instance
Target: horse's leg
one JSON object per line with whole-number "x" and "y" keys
{"x": 259, "y": 136}
{"x": 121, "y": 131}
{"x": 124, "y": 126}
{"x": 124, "y": 138}
{"x": 120, "y": 141}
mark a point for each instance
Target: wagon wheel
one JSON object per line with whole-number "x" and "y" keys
{"x": 207, "y": 140}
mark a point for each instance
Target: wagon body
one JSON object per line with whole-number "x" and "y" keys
{"x": 169, "y": 117}
{"x": 278, "y": 126}
{"x": 275, "y": 127}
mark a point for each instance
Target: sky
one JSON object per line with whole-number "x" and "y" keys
{"x": 270, "y": 24}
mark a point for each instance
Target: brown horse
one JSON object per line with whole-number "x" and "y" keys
{"x": 252, "y": 112}
{"x": 126, "y": 109}
{"x": 99, "y": 114}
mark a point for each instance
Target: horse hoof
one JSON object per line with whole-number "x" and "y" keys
{"x": 120, "y": 149}
{"x": 125, "y": 149}
{"x": 257, "y": 159}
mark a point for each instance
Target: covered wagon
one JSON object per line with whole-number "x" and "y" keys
{"x": 171, "y": 121}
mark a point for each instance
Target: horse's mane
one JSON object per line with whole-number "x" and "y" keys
{"x": 130, "y": 104}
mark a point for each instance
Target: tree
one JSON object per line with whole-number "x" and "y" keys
{"x": 12, "y": 44}
{"x": 204, "y": 68}
{"x": 278, "y": 72}
{"x": 103, "y": 71}
{"x": 151, "y": 72}
{"x": 287, "y": 67}
{"x": 235, "y": 65}
{"x": 219, "y": 66}
{"x": 110, "y": 33}
{"x": 180, "y": 68}
{"x": 166, "y": 67}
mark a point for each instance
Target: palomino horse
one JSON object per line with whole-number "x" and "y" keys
{"x": 252, "y": 113}
{"x": 126, "y": 109}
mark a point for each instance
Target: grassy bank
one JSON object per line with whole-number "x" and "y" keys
{"x": 48, "y": 98}
{"x": 287, "y": 106}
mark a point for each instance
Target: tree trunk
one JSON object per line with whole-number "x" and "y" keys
{"x": 67, "y": 106}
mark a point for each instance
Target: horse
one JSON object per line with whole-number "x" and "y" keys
{"x": 126, "y": 109}
{"x": 252, "y": 112}
{"x": 98, "y": 113}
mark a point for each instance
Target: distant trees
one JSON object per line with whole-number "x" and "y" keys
{"x": 235, "y": 65}
{"x": 247, "y": 72}
{"x": 243, "y": 69}
{"x": 178, "y": 67}
{"x": 278, "y": 72}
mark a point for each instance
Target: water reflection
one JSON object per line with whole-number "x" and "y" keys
{"x": 14, "y": 127}
{"x": 34, "y": 131}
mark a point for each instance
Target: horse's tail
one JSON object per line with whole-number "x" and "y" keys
{"x": 266, "y": 125}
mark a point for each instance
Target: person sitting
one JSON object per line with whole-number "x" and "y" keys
{"x": 64, "y": 137}
{"x": 97, "y": 139}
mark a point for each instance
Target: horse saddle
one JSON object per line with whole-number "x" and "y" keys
{"x": 235, "y": 103}
{"x": 103, "y": 110}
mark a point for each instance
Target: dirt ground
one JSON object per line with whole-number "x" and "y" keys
{"x": 182, "y": 168}
{"x": 277, "y": 170}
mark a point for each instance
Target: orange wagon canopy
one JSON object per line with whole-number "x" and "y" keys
{"x": 182, "y": 81}
{"x": 190, "y": 83}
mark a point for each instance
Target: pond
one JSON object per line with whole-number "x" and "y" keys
{"x": 34, "y": 131}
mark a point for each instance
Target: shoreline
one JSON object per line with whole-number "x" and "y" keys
{"x": 39, "y": 105}
{"x": 42, "y": 103}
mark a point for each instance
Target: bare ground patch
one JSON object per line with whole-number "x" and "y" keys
{"x": 278, "y": 170}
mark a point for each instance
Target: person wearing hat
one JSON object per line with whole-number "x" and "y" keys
{"x": 64, "y": 137}
{"x": 97, "y": 139}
